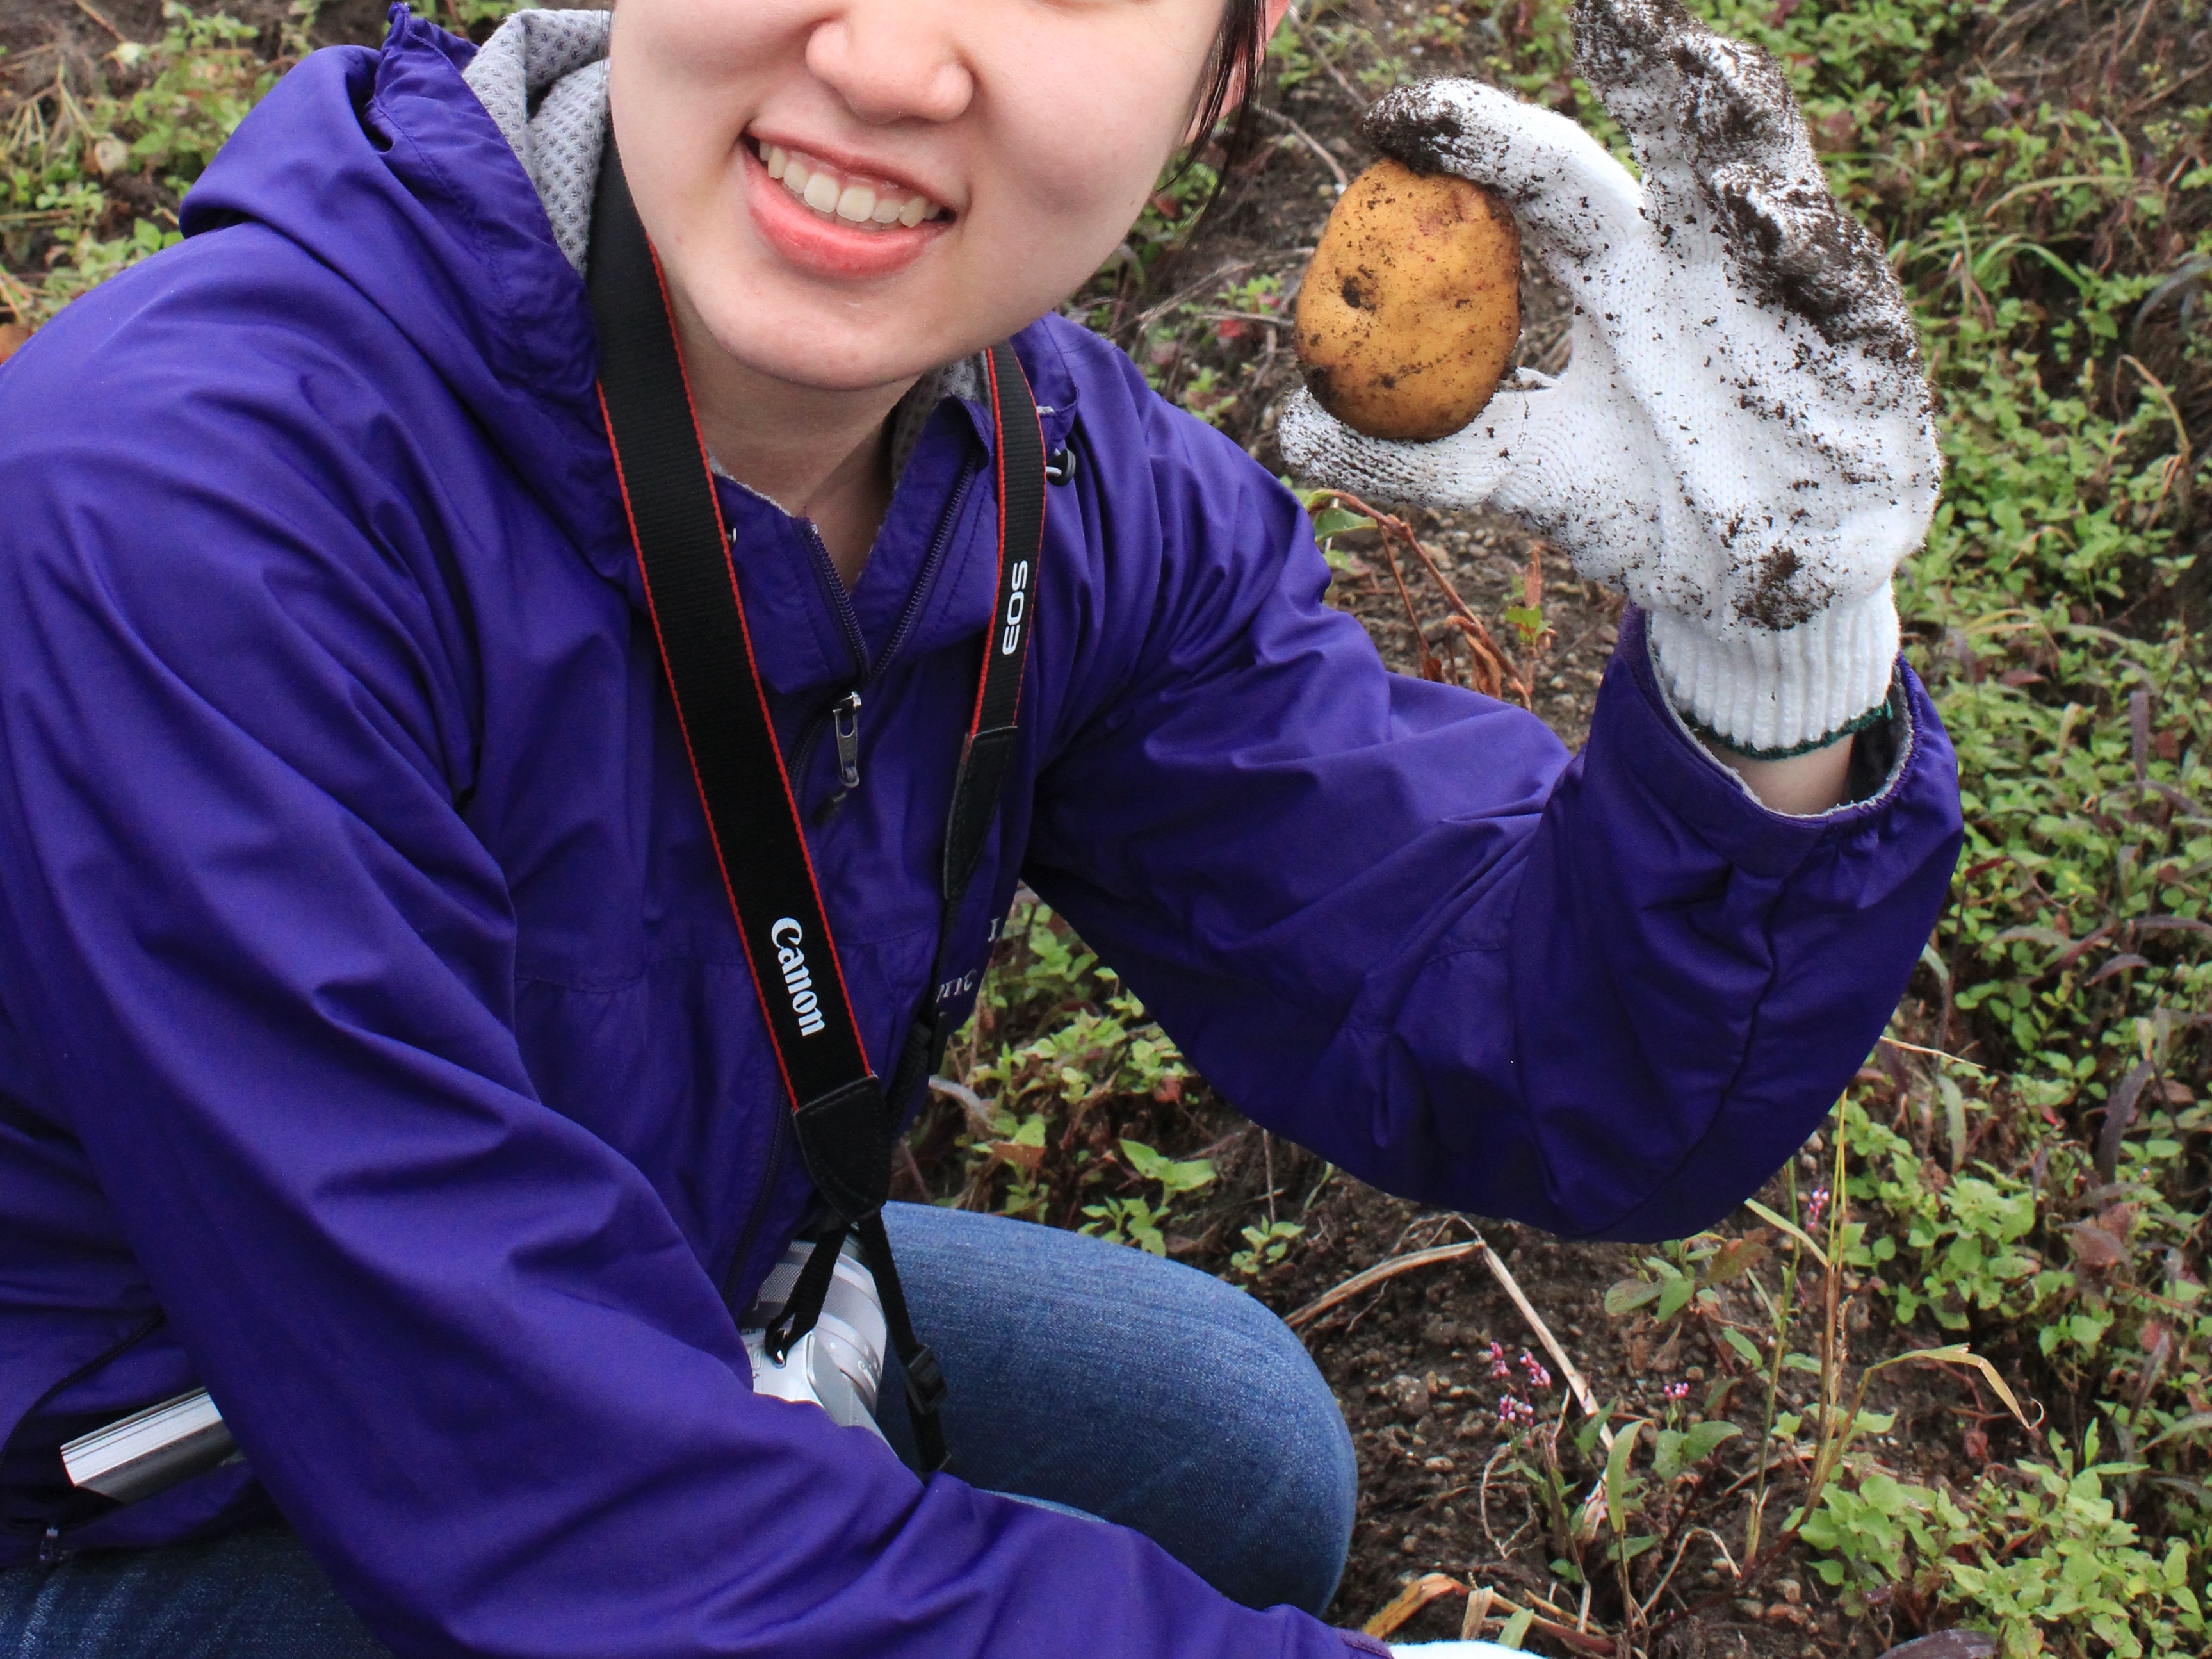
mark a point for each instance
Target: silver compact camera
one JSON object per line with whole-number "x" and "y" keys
{"x": 839, "y": 1365}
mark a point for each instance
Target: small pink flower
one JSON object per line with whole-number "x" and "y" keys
{"x": 1537, "y": 1376}
{"x": 1676, "y": 1391}
{"x": 1500, "y": 1370}
{"x": 1815, "y": 1206}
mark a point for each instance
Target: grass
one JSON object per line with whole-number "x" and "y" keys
{"x": 2014, "y": 1188}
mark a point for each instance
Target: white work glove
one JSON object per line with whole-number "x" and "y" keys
{"x": 1742, "y": 441}
{"x": 1450, "y": 1650}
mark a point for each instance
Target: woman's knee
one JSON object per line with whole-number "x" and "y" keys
{"x": 1141, "y": 1390}
{"x": 1279, "y": 1428}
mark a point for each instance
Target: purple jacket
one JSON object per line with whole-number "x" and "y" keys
{"x": 376, "y": 1047}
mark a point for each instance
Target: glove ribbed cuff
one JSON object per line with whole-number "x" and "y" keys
{"x": 1763, "y": 691}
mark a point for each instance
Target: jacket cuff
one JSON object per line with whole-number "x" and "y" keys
{"x": 1761, "y": 691}
{"x": 1360, "y": 1642}
{"x": 1655, "y": 744}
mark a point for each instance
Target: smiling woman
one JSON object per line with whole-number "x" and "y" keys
{"x": 1030, "y": 133}
{"x": 414, "y": 1008}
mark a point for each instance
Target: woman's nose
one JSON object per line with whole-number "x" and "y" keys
{"x": 893, "y": 60}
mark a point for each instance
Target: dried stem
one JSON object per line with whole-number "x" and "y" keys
{"x": 83, "y": 6}
{"x": 1376, "y": 1275}
{"x": 1432, "y": 668}
{"x": 1343, "y": 183}
{"x": 977, "y": 1108}
{"x": 1495, "y": 673}
{"x": 1576, "y": 1383}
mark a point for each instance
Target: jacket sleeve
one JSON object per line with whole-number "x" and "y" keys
{"x": 267, "y": 973}
{"x": 1606, "y": 994}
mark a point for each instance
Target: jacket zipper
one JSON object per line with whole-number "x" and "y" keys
{"x": 845, "y": 722}
{"x": 927, "y": 579}
{"x": 840, "y": 601}
{"x": 843, "y": 716}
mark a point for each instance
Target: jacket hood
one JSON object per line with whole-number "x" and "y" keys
{"x": 382, "y": 167}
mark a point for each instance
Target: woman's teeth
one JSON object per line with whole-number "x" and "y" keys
{"x": 869, "y": 206}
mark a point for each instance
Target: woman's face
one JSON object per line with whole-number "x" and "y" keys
{"x": 966, "y": 164}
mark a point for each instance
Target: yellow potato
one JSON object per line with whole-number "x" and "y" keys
{"x": 1412, "y": 306}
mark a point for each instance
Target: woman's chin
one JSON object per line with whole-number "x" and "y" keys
{"x": 811, "y": 347}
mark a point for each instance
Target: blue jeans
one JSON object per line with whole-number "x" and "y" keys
{"x": 1080, "y": 1375}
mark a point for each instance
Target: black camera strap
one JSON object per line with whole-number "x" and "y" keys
{"x": 844, "y": 1118}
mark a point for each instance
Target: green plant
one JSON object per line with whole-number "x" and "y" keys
{"x": 2038, "y": 1554}
{"x": 461, "y": 16}
{"x": 1137, "y": 1220}
{"x": 1968, "y": 1234}
{"x": 1265, "y": 1247}
{"x": 1331, "y": 522}
{"x": 1056, "y": 1063}
{"x": 1803, "y": 1332}
{"x": 1204, "y": 396}
{"x": 68, "y": 143}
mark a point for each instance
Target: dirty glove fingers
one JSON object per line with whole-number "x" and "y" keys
{"x": 1715, "y": 126}
{"x": 1625, "y": 49}
{"x": 1573, "y": 201}
{"x": 1680, "y": 92}
{"x": 1567, "y": 459}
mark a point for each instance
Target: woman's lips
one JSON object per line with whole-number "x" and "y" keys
{"x": 822, "y": 242}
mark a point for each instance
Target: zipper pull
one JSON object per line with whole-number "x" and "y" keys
{"x": 845, "y": 721}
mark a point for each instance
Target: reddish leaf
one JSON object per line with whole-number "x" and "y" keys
{"x": 2093, "y": 1247}
{"x": 2119, "y": 1113}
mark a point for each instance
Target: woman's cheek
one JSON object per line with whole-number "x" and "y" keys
{"x": 1087, "y": 174}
